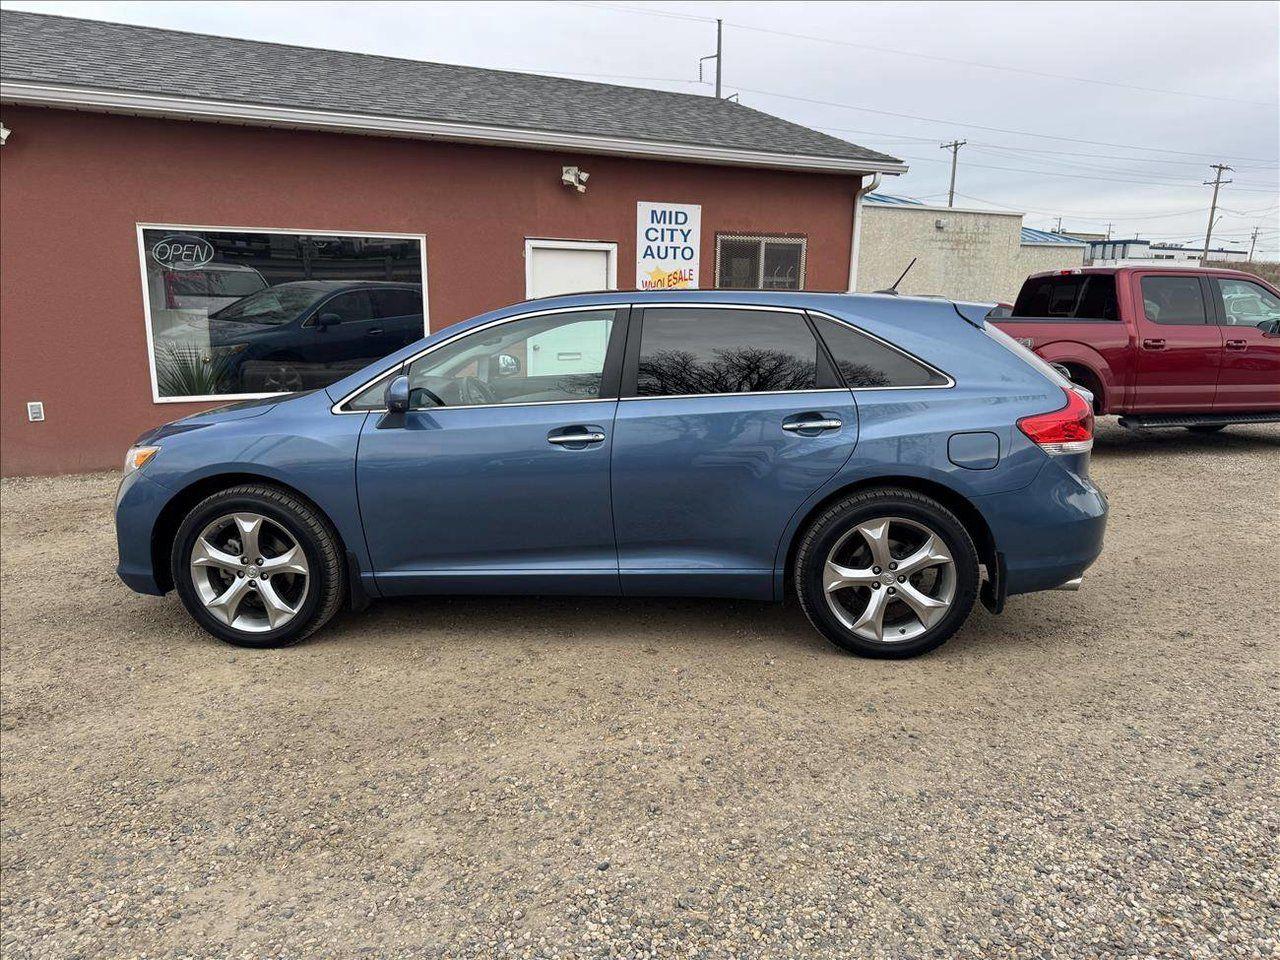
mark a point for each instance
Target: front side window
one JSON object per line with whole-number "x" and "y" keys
{"x": 865, "y": 362}
{"x": 235, "y": 313}
{"x": 544, "y": 359}
{"x": 1173, "y": 300}
{"x": 760, "y": 262}
{"x": 689, "y": 351}
{"x": 1247, "y": 304}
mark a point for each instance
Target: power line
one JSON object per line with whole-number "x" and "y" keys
{"x": 978, "y": 126}
{"x": 993, "y": 66}
{"x": 1081, "y": 176}
{"x": 926, "y": 56}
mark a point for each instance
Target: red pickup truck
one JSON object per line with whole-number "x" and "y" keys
{"x": 1161, "y": 347}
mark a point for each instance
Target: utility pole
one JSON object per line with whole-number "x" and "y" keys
{"x": 1253, "y": 242}
{"x": 1217, "y": 183}
{"x": 1108, "y": 229}
{"x": 1058, "y": 228}
{"x": 954, "y": 146}
{"x": 717, "y": 56}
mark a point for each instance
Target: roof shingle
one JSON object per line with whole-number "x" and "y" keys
{"x": 65, "y": 51}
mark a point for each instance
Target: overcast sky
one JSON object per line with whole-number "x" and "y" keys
{"x": 1092, "y": 112}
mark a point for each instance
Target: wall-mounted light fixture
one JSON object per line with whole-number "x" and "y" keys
{"x": 575, "y": 178}
{"x": 4, "y": 134}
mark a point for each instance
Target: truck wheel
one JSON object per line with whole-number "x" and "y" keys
{"x": 887, "y": 573}
{"x": 257, "y": 567}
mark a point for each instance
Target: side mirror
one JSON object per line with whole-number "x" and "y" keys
{"x": 1270, "y": 328}
{"x": 326, "y": 320}
{"x": 397, "y": 395}
{"x": 506, "y": 365}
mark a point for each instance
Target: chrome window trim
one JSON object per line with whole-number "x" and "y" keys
{"x": 336, "y": 408}
{"x": 645, "y": 305}
{"x": 951, "y": 382}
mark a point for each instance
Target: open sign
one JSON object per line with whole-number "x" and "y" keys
{"x": 182, "y": 251}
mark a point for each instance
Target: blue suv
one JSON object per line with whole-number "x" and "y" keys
{"x": 885, "y": 460}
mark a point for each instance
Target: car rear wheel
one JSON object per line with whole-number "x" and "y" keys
{"x": 887, "y": 573}
{"x": 258, "y": 567}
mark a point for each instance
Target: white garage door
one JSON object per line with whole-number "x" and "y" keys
{"x": 569, "y": 266}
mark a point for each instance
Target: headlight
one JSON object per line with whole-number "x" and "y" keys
{"x": 137, "y": 457}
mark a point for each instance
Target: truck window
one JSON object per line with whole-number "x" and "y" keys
{"x": 1173, "y": 300}
{"x": 1068, "y": 297}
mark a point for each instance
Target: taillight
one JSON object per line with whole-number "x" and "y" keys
{"x": 1069, "y": 430}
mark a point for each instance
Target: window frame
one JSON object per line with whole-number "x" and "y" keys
{"x": 1207, "y": 303}
{"x": 796, "y": 239}
{"x": 140, "y": 229}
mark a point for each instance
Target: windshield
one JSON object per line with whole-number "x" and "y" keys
{"x": 280, "y": 304}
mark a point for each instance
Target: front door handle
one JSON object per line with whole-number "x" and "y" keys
{"x": 800, "y": 425}
{"x": 1155, "y": 344}
{"x": 1237, "y": 344}
{"x": 576, "y": 436}
{"x": 374, "y": 332}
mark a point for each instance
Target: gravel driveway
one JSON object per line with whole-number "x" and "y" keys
{"x": 1091, "y": 774}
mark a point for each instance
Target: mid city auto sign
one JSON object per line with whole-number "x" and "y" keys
{"x": 668, "y": 241}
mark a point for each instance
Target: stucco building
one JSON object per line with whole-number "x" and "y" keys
{"x": 959, "y": 252}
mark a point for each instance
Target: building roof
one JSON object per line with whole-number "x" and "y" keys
{"x": 889, "y": 200}
{"x": 64, "y": 61}
{"x": 1044, "y": 238}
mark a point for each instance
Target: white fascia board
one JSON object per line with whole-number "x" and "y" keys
{"x": 145, "y": 104}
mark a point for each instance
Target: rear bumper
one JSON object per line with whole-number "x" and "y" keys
{"x": 138, "y": 505}
{"x": 1048, "y": 533}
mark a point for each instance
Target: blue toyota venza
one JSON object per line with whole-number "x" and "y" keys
{"x": 884, "y": 460}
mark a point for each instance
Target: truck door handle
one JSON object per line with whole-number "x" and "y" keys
{"x": 1155, "y": 344}
{"x": 1237, "y": 344}
{"x": 798, "y": 425}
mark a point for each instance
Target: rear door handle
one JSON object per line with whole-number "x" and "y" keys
{"x": 1153, "y": 344}
{"x": 799, "y": 425}
{"x": 1237, "y": 344}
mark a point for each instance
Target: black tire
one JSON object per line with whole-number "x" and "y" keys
{"x": 1207, "y": 428}
{"x": 825, "y": 532}
{"x": 305, "y": 524}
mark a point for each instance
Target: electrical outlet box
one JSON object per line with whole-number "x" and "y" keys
{"x": 35, "y": 411}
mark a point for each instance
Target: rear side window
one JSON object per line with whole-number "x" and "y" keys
{"x": 1173, "y": 300}
{"x": 1068, "y": 297}
{"x": 865, "y": 362}
{"x": 690, "y": 351}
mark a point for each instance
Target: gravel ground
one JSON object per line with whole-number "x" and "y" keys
{"x": 1091, "y": 774}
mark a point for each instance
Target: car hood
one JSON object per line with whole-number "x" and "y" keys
{"x": 218, "y": 331}
{"x": 243, "y": 410}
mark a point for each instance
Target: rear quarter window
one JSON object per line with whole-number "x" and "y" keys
{"x": 866, "y": 363}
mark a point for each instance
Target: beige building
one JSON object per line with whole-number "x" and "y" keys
{"x": 960, "y": 253}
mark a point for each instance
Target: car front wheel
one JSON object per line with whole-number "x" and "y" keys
{"x": 257, "y": 566}
{"x": 887, "y": 573}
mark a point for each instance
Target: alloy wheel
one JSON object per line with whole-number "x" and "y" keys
{"x": 249, "y": 572}
{"x": 889, "y": 579}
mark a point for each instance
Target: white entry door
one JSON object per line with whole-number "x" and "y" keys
{"x": 553, "y": 267}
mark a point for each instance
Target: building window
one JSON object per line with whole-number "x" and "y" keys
{"x": 258, "y": 312}
{"x": 759, "y": 262}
